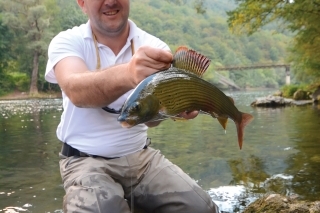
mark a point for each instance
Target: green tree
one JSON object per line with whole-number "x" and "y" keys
{"x": 300, "y": 17}
{"x": 29, "y": 19}
{"x": 69, "y": 14}
{"x": 5, "y": 41}
{"x": 5, "y": 57}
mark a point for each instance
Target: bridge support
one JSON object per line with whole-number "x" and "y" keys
{"x": 287, "y": 75}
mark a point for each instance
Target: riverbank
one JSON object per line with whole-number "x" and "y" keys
{"x": 272, "y": 203}
{"x": 17, "y": 95}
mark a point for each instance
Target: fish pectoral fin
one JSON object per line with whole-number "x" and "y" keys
{"x": 205, "y": 113}
{"x": 160, "y": 117}
{"x": 178, "y": 118}
{"x": 173, "y": 117}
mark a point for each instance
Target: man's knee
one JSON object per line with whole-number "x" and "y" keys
{"x": 93, "y": 199}
{"x": 92, "y": 193}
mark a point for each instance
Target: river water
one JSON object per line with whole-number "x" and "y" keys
{"x": 281, "y": 153}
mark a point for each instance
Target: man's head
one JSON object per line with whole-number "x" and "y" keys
{"x": 108, "y": 17}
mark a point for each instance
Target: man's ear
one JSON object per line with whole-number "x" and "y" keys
{"x": 81, "y": 5}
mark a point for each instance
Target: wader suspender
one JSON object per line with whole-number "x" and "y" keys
{"x": 98, "y": 67}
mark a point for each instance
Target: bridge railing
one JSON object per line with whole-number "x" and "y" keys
{"x": 258, "y": 66}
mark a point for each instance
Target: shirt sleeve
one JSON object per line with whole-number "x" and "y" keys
{"x": 65, "y": 44}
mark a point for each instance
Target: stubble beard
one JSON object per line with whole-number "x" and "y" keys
{"x": 112, "y": 31}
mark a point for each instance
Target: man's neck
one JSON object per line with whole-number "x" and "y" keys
{"x": 114, "y": 42}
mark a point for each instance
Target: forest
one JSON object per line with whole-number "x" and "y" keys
{"x": 27, "y": 27}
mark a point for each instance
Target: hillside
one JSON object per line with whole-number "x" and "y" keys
{"x": 179, "y": 24}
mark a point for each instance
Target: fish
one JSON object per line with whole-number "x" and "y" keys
{"x": 181, "y": 88}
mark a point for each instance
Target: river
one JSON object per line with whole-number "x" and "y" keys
{"x": 281, "y": 153}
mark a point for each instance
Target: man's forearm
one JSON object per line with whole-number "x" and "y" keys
{"x": 100, "y": 88}
{"x": 97, "y": 88}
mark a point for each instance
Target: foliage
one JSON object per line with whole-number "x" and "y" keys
{"x": 208, "y": 33}
{"x": 29, "y": 20}
{"x": 69, "y": 15}
{"x": 289, "y": 90}
{"x": 6, "y": 83}
{"x": 175, "y": 23}
{"x": 21, "y": 81}
{"x": 300, "y": 17}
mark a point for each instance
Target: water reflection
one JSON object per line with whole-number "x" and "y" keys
{"x": 280, "y": 154}
{"x": 29, "y": 179}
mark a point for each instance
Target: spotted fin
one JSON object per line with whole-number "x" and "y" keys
{"x": 190, "y": 60}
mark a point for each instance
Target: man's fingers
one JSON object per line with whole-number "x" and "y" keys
{"x": 148, "y": 60}
{"x": 189, "y": 115}
{"x": 158, "y": 55}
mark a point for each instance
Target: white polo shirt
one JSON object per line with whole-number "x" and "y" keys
{"x": 93, "y": 130}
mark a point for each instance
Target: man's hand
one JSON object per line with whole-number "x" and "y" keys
{"x": 189, "y": 115}
{"x": 146, "y": 61}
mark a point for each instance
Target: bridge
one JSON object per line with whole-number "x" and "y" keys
{"x": 228, "y": 82}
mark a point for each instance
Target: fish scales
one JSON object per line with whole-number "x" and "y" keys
{"x": 188, "y": 90}
{"x": 178, "y": 89}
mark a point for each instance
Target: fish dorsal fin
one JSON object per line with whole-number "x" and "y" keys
{"x": 190, "y": 60}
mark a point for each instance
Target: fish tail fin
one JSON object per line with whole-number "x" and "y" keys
{"x": 245, "y": 120}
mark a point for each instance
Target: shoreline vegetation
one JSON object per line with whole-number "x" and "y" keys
{"x": 17, "y": 95}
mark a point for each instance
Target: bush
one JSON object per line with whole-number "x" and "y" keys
{"x": 6, "y": 84}
{"x": 289, "y": 90}
{"x": 21, "y": 81}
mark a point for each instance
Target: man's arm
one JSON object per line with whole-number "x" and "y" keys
{"x": 100, "y": 88}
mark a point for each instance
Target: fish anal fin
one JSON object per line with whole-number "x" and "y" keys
{"x": 223, "y": 121}
{"x": 190, "y": 60}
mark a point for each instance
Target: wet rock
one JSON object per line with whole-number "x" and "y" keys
{"x": 277, "y": 101}
{"x": 278, "y": 93}
{"x": 301, "y": 95}
{"x": 316, "y": 95}
{"x": 271, "y": 101}
{"x": 277, "y": 203}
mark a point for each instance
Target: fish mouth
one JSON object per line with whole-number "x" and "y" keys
{"x": 125, "y": 124}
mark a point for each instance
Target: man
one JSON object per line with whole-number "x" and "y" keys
{"x": 104, "y": 167}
